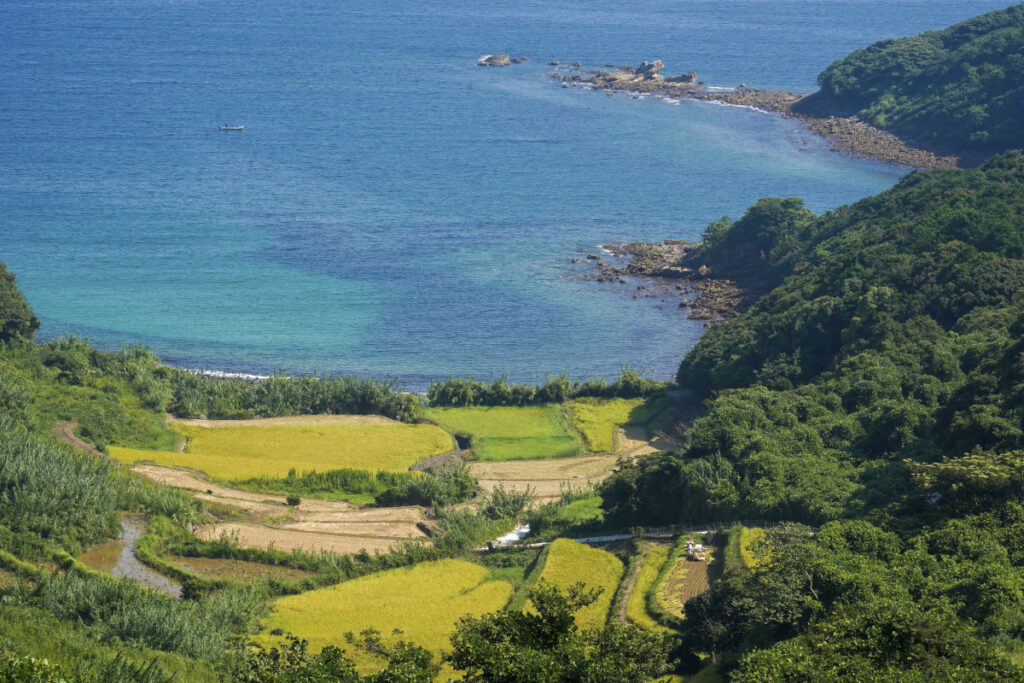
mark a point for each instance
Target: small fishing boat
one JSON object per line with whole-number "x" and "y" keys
{"x": 227, "y": 127}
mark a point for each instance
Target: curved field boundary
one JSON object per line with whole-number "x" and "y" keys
{"x": 65, "y": 431}
{"x": 635, "y": 605}
{"x": 286, "y": 421}
{"x": 313, "y": 525}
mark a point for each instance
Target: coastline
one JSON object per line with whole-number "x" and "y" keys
{"x": 848, "y": 135}
{"x": 677, "y": 267}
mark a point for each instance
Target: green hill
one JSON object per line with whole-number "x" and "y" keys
{"x": 877, "y": 393}
{"x": 958, "y": 90}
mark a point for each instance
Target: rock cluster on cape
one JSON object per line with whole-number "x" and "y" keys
{"x": 500, "y": 60}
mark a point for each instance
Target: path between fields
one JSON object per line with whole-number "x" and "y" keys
{"x": 313, "y": 525}
{"x": 285, "y": 421}
{"x": 65, "y": 431}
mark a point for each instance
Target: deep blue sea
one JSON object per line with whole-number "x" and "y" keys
{"x": 391, "y": 208}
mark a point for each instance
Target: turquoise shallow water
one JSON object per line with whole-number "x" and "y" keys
{"x": 390, "y": 208}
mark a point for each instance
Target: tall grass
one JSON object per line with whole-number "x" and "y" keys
{"x": 195, "y": 394}
{"x": 49, "y": 491}
{"x": 123, "y": 610}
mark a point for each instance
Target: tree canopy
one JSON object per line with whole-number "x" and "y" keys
{"x": 959, "y": 89}
{"x": 16, "y": 319}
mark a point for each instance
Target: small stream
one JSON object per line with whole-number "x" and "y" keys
{"x": 117, "y": 558}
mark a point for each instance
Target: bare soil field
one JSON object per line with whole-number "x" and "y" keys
{"x": 259, "y": 536}
{"x": 313, "y": 525}
{"x": 545, "y": 477}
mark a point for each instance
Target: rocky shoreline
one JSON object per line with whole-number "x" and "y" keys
{"x": 676, "y": 268}
{"x": 846, "y": 134}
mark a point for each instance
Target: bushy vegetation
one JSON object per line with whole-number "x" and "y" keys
{"x": 431, "y": 489}
{"x": 505, "y": 433}
{"x": 17, "y": 321}
{"x": 576, "y": 512}
{"x": 961, "y": 88}
{"x": 195, "y": 394}
{"x": 54, "y": 497}
{"x": 546, "y": 644}
{"x": 878, "y": 384}
{"x": 463, "y": 393}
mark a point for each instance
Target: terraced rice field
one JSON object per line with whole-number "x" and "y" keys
{"x": 683, "y": 580}
{"x": 636, "y": 607}
{"x": 239, "y": 570}
{"x": 424, "y": 601}
{"x": 243, "y": 452}
{"x": 597, "y": 419}
{"x": 569, "y": 562}
{"x": 313, "y": 525}
{"x": 546, "y": 478}
{"x": 507, "y": 433}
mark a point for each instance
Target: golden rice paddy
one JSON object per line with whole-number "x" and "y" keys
{"x": 636, "y": 608}
{"x": 569, "y": 562}
{"x": 424, "y": 601}
{"x": 251, "y": 451}
{"x": 596, "y": 419}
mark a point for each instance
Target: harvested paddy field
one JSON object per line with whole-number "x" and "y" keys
{"x": 569, "y": 562}
{"x": 238, "y": 570}
{"x": 546, "y": 478}
{"x": 512, "y": 433}
{"x": 243, "y": 452}
{"x": 313, "y": 525}
{"x": 424, "y": 601}
{"x": 683, "y": 580}
{"x": 259, "y": 536}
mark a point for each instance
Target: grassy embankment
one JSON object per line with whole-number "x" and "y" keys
{"x": 232, "y": 453}
{"x": 508, "y": 433}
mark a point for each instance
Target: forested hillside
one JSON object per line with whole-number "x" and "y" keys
{"x": 957, "y": 90}
{"x": 876, "y": 394}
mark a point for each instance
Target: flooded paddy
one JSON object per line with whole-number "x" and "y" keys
{"x": 117, "y": 558}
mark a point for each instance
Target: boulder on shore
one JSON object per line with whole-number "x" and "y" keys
{"x": 493, "y": 60}
{"x": 520, "y": 60}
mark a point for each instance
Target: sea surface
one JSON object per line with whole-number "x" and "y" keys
{"x": 391, "y": 209}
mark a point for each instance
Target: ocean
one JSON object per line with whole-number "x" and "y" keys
{"x": 391, "y": 209}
